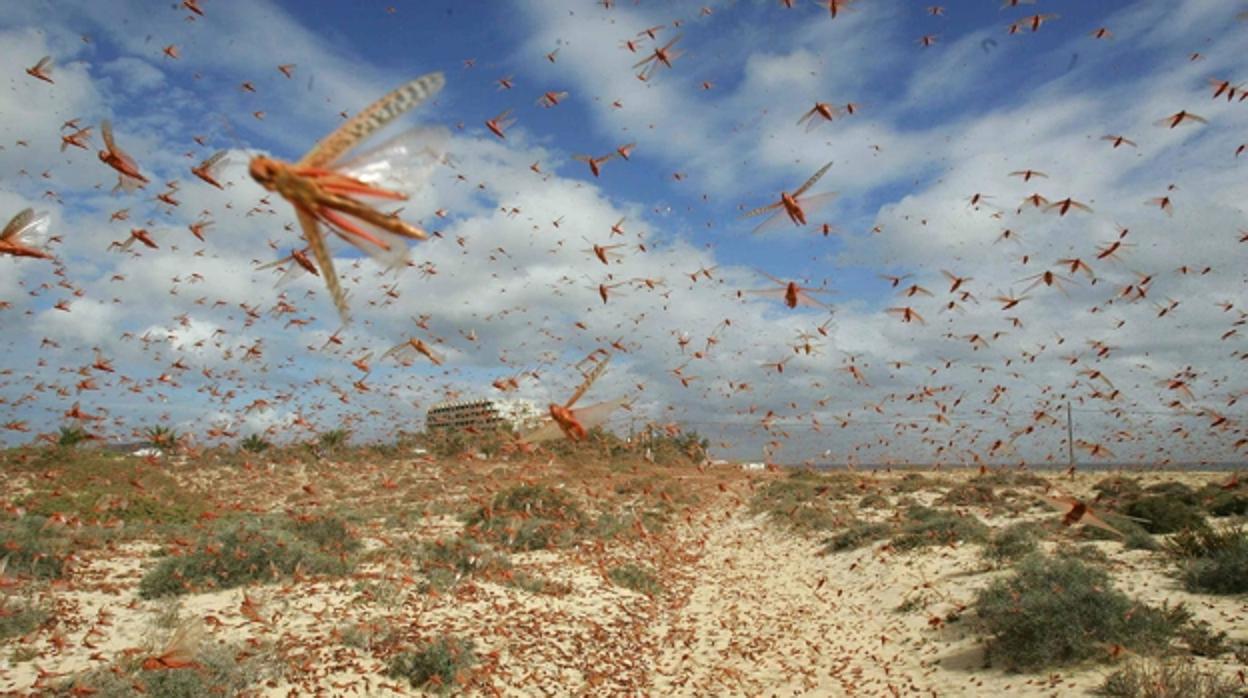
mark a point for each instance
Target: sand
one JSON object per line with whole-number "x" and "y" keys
{"x": 749, "y": 609}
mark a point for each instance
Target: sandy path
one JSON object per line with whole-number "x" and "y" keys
{"x": 759, "y": 622}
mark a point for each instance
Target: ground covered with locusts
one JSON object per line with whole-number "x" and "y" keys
{"x": 376, "y": 571}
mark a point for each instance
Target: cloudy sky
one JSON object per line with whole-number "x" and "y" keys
{"x": 951, "y": 124}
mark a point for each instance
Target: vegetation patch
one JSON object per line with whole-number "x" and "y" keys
{"x": 637, "y": 578}
{"x": 439, "y": 666}
{"x": 215, "y": 671}
{"x": 1053, "y": 612}
{"x": 858, "y": 534}
{"x": 249, "y": 552}
{"x": 969, "y": 493}
{"x": 1145, "y": 677}
{"x": 1212, "y": 561}
{"x": 1013, "y": 542}
{"x": 803, "y": 501}
{"x": 1166, "y": 513}
{"x": 529, "y": 517}
{"x": 33, "y": 547}
{"x": 925, "y": 526}
{"x": 19, "y": 618}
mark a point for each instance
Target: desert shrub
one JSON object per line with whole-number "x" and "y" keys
{"x": 33, "y": 547}
{"x": 874, "y": 500}
{"x": 912, "y": 482}
{"x": 802, "y": 501}
{"x": 255, "y": 443}
{"x": 1143, "y": 677}
{"x": 1054, "y": 612}
{"x": 1013, "y": 542}
{"x": 610, "y": 526}
{"x": 637, "y": 578}
{"x": 1009, "y": 478}
{"x": 219, "y": 671}
{"x": 329, "y": 534}
{"x": 857, "y": 535}
{"x": 1084, "y": 553}
{"x": 1224, "y": 503}
{"x": 232, "y": 557}
{"x": 925, "y": 526}
{"x": 1212, "y": 561}
{"x": 530, "y": 517}
{"x": 333, "y": 439}
{"x": 1173, "y": 490}
{"x": 1203, "y": 640}
{"x": 445, "y": 563}
{"x": 19, "y": 618}
{"x": 437, "y": 666}
{"x": 968, "y": 493}
{"x": 1118, "y": 487}
{"x": 1165, "y": 513}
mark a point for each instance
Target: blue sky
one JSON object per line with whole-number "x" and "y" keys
{"x": 933, "y": 126}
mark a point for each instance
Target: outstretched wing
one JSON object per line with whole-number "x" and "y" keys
{"x": 589, "y": 381}
{"x": 813, "y": 178}
{"x": 25, "y": 222}
{"x": 372, "y": 119}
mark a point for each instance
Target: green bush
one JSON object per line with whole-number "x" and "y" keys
{"x": 803, "y": 500}
{"x": 33, "y": 547}
{"x": 637, "y": 578}
{"x": 1166, "y": 678}
{"x": 530, "y": 517}
{"x": 255, "y": 443}
{"x": 333, "y": 439}
{"x": 69, "y": 437}
{"x": 1013, "y": 542}
{"x": 445, "y": 563}
{"x": 857, "y": 535}
{"x": 329, "y": 534}
{"x": 1212, "y": 561}
{"x": 19, "y": 619}
{"x": 1223, "y": 503}
{"x": 437, "y": 666}
{"x": 967, "y": 494}
{"x": 1165, "y": 513}
{"x": 219, "y": 671}
{"x": 926, "y": 526}
{"x": 251, "y": 552}
{"x": 1054, "y": 612}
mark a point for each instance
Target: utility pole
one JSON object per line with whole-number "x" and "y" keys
{"x": 1070, "y": 438}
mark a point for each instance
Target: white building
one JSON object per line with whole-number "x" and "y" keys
{"x": 485, "y": 413}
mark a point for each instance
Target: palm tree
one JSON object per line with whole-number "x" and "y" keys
{"x": 255, "y": 444}
{"x": 162, "y": 437}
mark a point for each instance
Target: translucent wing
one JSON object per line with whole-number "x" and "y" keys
{"x": 775, "y": 220}
{"x": 813, "y": 178}
{"x": 292, "y": 272}
{"x": 106, "y": 128}
{"x": 547, "y": 432}
{"x": 589, "y": 417}
{"x": 407, "y": 160}
{"x": 44, "y": 64}
{"x": 597, "y": 415}
{"x": 323, "y": 260}
{"x": 761, "y": 210}
{"x": 24, "y": 224}
{"x": 372, "y": 119}
{"x": 217, "y": 158}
